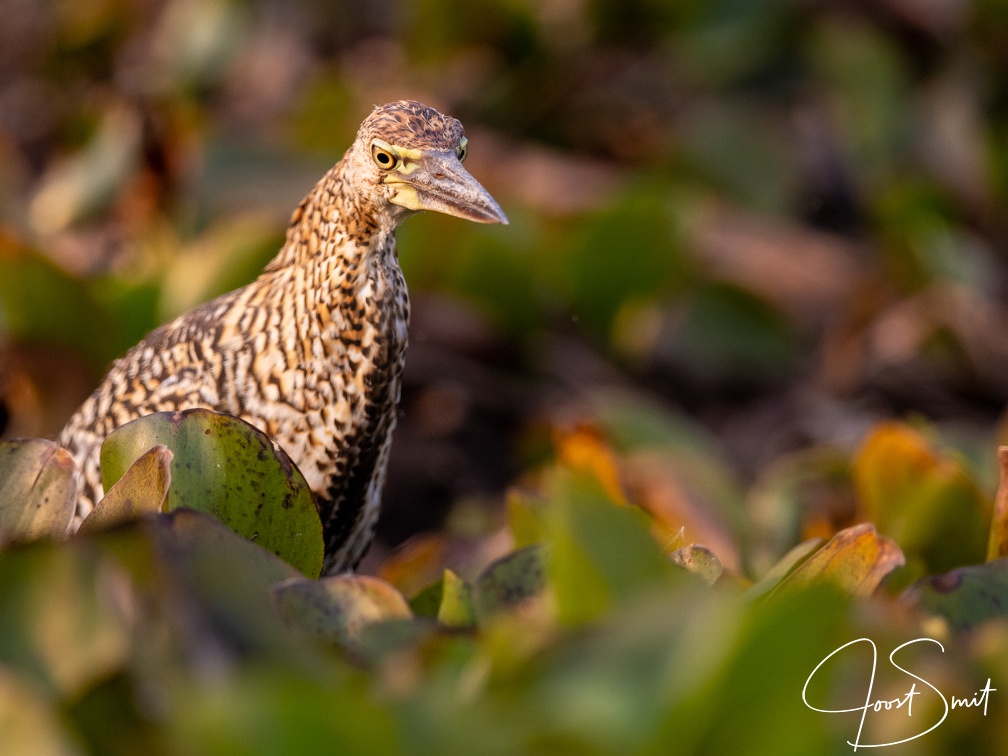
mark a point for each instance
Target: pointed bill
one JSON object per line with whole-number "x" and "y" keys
{"x": 437, "y": 181}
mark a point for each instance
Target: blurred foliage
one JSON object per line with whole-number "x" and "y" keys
{"x": 750, "y": 305}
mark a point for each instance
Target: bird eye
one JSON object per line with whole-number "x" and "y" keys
{"x": 385, "y": 159}
{"x": 463, "y": 149}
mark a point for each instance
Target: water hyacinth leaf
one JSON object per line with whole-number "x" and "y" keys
{"x": 224, "y": 583}
{"x": 965, "y": 597}
{"x": 142, "y": 488}
{"x": 337, "y": 609}
{"x": 427, "y": 601}
{"x": 927, "y": 503}
{"x": 66, "y": 614}
{"x": 510, "y": 581}
{"x": 38, "y": 483}
{"x": 267, "y": 710}
{"x": 600, "y": 552}
{"x": 231, "y": 470}
{"x": 192, "y": 535}
{"x": 85, "y": 182}
{"x": 699, "y": 560}
{"x": 456, "y": 608}
{"x": 795, "y": 556}
{"x": 856, "y": 559}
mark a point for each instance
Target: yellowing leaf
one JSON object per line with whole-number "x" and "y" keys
{"x": 856, "y": 559}
{"x": 456, "y": 609}
{"x": 142, "y": 488}
{"x": 997, "y": 543}
{"x": 37, "y": 489}
{"x": 926, "y": 502}
{"x": 584, "y": 450}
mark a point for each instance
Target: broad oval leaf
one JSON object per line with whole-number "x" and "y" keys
{"x": 38, "y": 484}
{"x": 966, "y": 597}
{"x": 227, "y": 468}
{"x": 338, "y": 608}
{"x": 509, "y": 581}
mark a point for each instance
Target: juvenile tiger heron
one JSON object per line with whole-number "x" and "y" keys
{"x": 312, "y": 351}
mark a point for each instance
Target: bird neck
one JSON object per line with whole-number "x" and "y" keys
{"x": 334, "y": 222}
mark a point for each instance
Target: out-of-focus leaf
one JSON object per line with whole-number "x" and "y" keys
{"x": 227, "y": 256}
{"x": 416, "y": 563}
{"x": 456, "y": 608}
{"x": 338, "y": 608}
{"x": 29, "y": 723}
{"x": 427, "y": 600}
{"x": 231, "y": 470}
{"x": 927, "y": 503}
{"x": 856, "y": 559}
{"x": 38, "y": 485}
{"x": 788, "y": 562}
{"x": 740, "y": 152}
{"x": 525, "y": 519}
{"x": 449, "y": 600}
{"x": 41, "y": 303}
{"x": 867, "y": 81}
{"x": 87, "y": 181}
{"x": 966, "y": 597}
{"x": 700, "y": 561}
{"x": 997, "y": 543}
{"x": 65, "y": 614}
{"x": 510, "y": 581}
{"x": 226, "y": 582}
{"x": 600, "y": 552}
{"x": 584, "y": 449}
{"x": 142, "y": 488}
{"x": 728, "y": 334}
{"x": 803, "y": 495}
{"x": 271, "y": 711}
{"x": 601, "y": 280}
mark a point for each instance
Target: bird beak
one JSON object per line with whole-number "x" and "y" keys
{"x": 437, "y": 181}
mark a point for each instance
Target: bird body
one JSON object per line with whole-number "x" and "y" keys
{"x": 312, "y": 351}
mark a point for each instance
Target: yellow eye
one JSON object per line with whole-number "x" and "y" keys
{"x": 384, "y": 159}
{"x": 463, "y": 149}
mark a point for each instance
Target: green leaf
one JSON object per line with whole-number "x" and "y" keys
{"x": 855, "y": 559}
{"x": 65, "y": 614}
{"x": 456, "y": 608}
{"x": 966, "y": 597}
{"x": 37, "y": 490}
{"x": 142, "y": 488}
{"x": 272, "y": 711}
{"x": 338, "y": 608}
{"x": 600, "y": 552}
{"x": 510, "y": 581}
{"x": 795, "y": 556}
{"x": 231, "y": 470}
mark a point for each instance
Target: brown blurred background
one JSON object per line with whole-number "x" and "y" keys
{"x": 750, "y": 229}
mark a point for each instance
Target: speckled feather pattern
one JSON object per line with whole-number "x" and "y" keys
{"x": 311, "y": 352}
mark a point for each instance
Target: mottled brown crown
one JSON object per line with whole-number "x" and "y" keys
{"x": 413, "y": 125}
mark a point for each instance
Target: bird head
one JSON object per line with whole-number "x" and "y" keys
{"x": 413, "y": 156}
